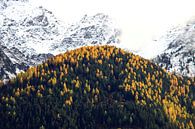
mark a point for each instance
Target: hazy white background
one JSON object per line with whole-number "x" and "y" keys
{"x": 140, "y": 20}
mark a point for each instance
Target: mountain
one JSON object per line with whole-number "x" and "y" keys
{"x": 25, "y": 32}
{"x": 36, "y": 34}
{"x": 5, "y": 3}
{"x": 179, "y": 55}
{"x": 90, "y": 30}
{"x": 12, "y": 61}
{"x": 29, "y": 29}
{"x": 97, "y": 87}
{"x": 5, "y": 65}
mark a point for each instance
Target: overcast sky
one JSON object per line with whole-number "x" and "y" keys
{"x": 140, "y": 20}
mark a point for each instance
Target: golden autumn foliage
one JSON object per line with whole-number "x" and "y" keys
{"x": 103, "y": 84}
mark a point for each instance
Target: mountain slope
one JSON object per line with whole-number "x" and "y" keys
{"x": 36, "y": 34}
{"x": 5, "y": 3}
{"x": 5, "y": 65}
{"x": 25, "y": 32}
{"x": 97, "y": 87}
{"x": 179, "y": 56}
{"x": 29, "y": 29}
{"x": 13, "y": 61}
{"x": 90, "y": 30}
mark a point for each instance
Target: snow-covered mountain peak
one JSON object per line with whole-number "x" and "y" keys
{"x": 28, "y": 34}
{"x": 98, "y": 18}
{"x": 6, "y": 3}
{"x": 90, "y": 30}
{"x": 29, "y": 28}
{"x": 179, "y": 55}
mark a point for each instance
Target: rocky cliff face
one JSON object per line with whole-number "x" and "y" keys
{"x": 179, "y": 56}
{"x": 30, "y": 35}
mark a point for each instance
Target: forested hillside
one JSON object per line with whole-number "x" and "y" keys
{"x": 97, "y": 87}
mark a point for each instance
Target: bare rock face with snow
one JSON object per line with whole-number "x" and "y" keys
{"x": 29, "y": 29}
{"x": 5, "y": 3}
{"x": 90, "y": 30}
{"x": 13, "y": 61}
{"x": 30, "y": 35}
{"x": 25, "y": 32}
{"x": 179, "y": 56}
